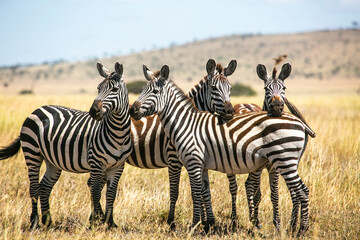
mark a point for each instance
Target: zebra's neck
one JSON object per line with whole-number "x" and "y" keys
{"x": 115, "y": 127}
{"x": 177, "y": 106}
{"x": 198, "y": 94}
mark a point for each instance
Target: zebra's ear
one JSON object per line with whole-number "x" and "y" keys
{"x": 164, "y": 73}
{"x": 102, "y": 70}
{"x": 147, "y": 73}
{"x": 261, "y": 72}
{"x": 210, "y": 66}
{"x": 230, "y": 69}
{"x": 119, "y": 69}
{"x": 285, "y": 71}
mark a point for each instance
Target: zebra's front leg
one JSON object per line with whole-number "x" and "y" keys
{"x": 96, "y": 176}
{"x": 233, "y": 191}
{"x": 102, "y": 187}
{"x": 113, "y": 177}
{"x": 174, "y": 169}
{"x": 51, "y": 176}
{"x": 206, "y": 196}
{"x": 195, "y": 176}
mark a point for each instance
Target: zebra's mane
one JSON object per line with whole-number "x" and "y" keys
{"x": 183, "y": 96}
{"x": 219, "y": 68}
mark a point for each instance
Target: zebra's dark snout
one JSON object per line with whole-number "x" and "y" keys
{"x": 135, "y": 110}
{"x": 276, "y": 106}
{"x": 229, "y": 111}
{"x": 96, "y": 111}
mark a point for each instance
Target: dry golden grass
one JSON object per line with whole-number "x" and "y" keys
{"x": 330, "y": 168}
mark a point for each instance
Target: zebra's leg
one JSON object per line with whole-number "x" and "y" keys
{"x": 195, "y": 176}
{"x": 233, "y": 191}
{"x": 299, "y": 193}
{"x": 97, "y": 174}
{"x": 206, "y": 196}
{"x": 48, "y": 181}
{"x": 174, "y": 169}
{"x": 33, "y": 162}
{"x": 102, "y": 187}
{"x": 113, "y": 176}
{"x": 274, "y": 189}
{"x": 252, "y": 186}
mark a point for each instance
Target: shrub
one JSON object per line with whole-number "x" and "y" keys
{"x": 136, "y": 86}
{"x": 26, "y": 92}
{"x": 239, "y": 89}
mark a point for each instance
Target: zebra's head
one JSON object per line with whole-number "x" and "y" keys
{"x": 148, "y": 102}
{"x": 274, "y": 88}
{"x": 112, "y": 92}
{"x": 219, "y": 89}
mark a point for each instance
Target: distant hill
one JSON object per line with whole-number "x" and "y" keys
{"x": 317, "y": 56}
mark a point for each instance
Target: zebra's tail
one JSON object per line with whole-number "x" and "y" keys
{"x": 11, "y": 150}
{"x": 297, "y": 113}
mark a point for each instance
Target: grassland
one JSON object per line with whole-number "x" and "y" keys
{"x": 330, "y": 168}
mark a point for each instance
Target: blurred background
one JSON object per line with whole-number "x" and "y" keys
{"x": 51, "y": 47}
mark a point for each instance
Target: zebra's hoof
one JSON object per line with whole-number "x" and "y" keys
{"x": 46, "y": 220}
{"x": 302, "y": 230}
{"x": 258, "y": 225}
{"x": 34, "y": 222}
{"x": 172, "y": 226}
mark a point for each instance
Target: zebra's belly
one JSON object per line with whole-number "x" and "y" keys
{"x": 147, "y": 160}
{"x": 77, "y": 163}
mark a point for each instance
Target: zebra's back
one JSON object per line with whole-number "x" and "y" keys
{"x": 61, "y": 135}
{"x": 248, "y": 142}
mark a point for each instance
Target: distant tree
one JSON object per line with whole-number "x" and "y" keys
{"x": 136, "y": 86}
{"x": 242, "y": 90}
{"x": 355, "y": 25}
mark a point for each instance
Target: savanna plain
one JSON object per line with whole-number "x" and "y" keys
{"x": 330, "y": 168}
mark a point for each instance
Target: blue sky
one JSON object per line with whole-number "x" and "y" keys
{"x": 46, "y": 30}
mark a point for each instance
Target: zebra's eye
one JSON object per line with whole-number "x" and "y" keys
{"x": 114, "y": 89}
{"x": 155, "y": 91}
{"x": 214, "y": 87}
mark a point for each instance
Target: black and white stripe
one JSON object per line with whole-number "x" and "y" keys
{"x": 72, "y": 140}
{"x": 244, "y": 144}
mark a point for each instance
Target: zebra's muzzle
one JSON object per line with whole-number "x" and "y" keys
{"x": 229, "y": 111}
{"x": 135, "y": 110}
{"x": 97, "y": 111}
{"x": 276, "y": 106}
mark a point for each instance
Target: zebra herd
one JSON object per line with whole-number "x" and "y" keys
{"x": 167, "y": 128}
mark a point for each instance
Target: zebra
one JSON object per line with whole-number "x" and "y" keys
{"x": 274, "y": 102}
{"x": 243, "y": 144}
{"x": 98, "y": 142}
{"x": 152, "y": 149}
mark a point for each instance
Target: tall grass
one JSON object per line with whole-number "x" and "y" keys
{"x": 330, "y": 168}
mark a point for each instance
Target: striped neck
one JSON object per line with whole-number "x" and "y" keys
{"x": 115, "y": 127}
{"x": 198, "y": 94}
{"x": 177, "y": 106}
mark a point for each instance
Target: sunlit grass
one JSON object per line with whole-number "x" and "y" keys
{"x": 330, "y": 168}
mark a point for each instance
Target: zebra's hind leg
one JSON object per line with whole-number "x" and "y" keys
{"x": 113, "y": 176}
{"x": 253, "y": 193}
{"x": 233, "y": 191}
{"x": 274, "y": 188}
{"x": 48, "y": 181}
{"x": 174, "y": 169}
{"x": 299, "y": 194}
{"x": 33, "y": 162}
